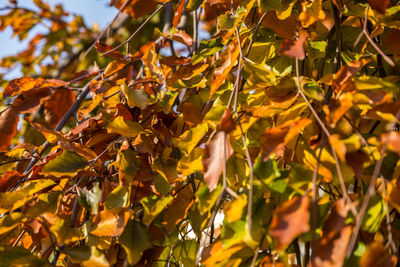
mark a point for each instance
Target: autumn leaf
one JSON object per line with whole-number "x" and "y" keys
{"x": 331, "y": 247}
{"x": 376, "y": 254}
{"x": 295, "y": 48}
{"x": 289, "y": 220}
{"x": 379, "y": 5}
{"x": 8, "y": 127}
{"x": 217, "y": 152}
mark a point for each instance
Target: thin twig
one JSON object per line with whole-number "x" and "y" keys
{"x": 137, "y": 30}
{"x": 107, "y": 28}
{"x": 255, "y": 34}
{"x": 366, "y": 34}
{"x": 323, "y": 127}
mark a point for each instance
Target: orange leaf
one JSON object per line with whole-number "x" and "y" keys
{"x": 377, "y": 255}
{"x": 289, "y": 220}
{"x": 274, "y": 139}
{"x": 8, "y": 127}
{"x": 110, "y": 223}
{"x": 215, "y": 156}
{"x": 57, "y": 105}
{"x": 295, "y": 48}
{"x": 229, "y": 58}
{"x": 379, "y": 5}
{"x": 178, "y": 12}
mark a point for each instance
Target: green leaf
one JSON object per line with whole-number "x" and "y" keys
{"x": 207, "y": 48}
{"x": 135, "y": 98}
{"x": 90, "y": 198}
{"x": 186, "y": 251}
{"x": 207, "y": 199}
{"x": 193, "y": 5}
{"x": 18, "y": 256}
{"x": 278, "y": 5}
{"x": 66, "y": 164}
{"x": 10, "y": 221}
{"x": 123, "y": 127}
{"x": 44, "y": 203}
{"x": 135, "y": 240}
{"x": 118, "y": 198}
{"x": 374, "y": 83}
{"x": 316, "y": 49}
{"x": 152, "y": 206}
{"x": 374, "y": 215}
{"x": 129, "y": 164}
{"x": 162, "y": 185}
{"x": 87, "y": 256}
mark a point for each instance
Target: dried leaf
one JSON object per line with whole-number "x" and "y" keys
{"x": 216, "y": 155}
{"x": 290, "y": 220}
{"x": 295, "y": 48}
{"x": 379, "y": 5}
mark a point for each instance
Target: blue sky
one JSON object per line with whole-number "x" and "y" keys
{"x": 93, "y": 11}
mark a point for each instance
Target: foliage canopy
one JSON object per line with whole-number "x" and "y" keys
{"x": 279, "y": 119}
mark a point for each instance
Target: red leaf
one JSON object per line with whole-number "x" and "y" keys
{"x": 295, "y": 48}
{"x": 9, "y": 179}
{"x": 289, "y": 220}
{"x": 217, "y": 153}
{"x": 379, "y": 5}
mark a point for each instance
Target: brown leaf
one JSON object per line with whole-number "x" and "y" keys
{"x": 57, "y": 105}
{"x": 343, "y": 78}
{"x": 183, "y": 38}
{"x": 379, "y": 5}
{"x": 215, "y": 156}
{"x": 356, "y": 159}
{"x": 283, "y": 28}
{"x": 392, "y": 40}
{"x": 274, "y": 139}
{"x": 103, "y": 48}
{"x": 227, "y": 123}
{"x": 9, "y": 179}
{"x": 8, "y": 127}
{"x": 136, "y": 8}
{"x": 295, "y": 48}
{"x": 330, "y": 249}
{"x": 173, "y": 60}
{"x": 290, "y": 220}
{"x": 377, "y": 255}
{"x": 191, "y": 114}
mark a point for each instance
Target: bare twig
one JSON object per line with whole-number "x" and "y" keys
{"x": 137, "y": 30}
{"x": 325, "y": 130}
{"x": 366, "y": 34}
